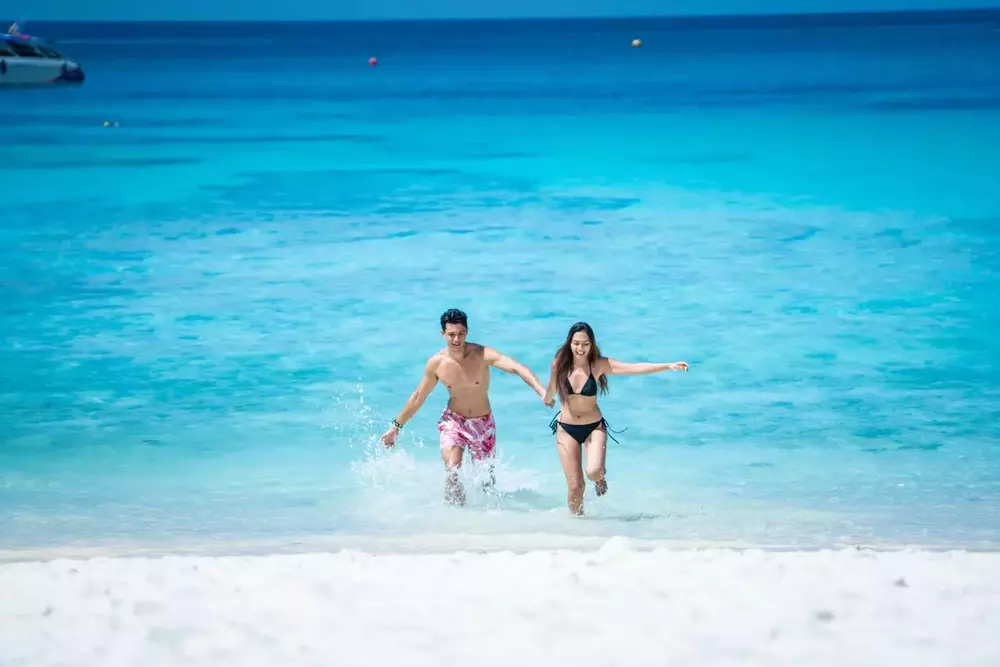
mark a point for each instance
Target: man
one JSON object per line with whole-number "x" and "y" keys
{"x": 467, "y": 422}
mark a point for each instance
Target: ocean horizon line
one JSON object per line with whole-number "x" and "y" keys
{"x": 892, "y": 17}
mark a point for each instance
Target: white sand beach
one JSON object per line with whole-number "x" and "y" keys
{"x": 611, "y": 606}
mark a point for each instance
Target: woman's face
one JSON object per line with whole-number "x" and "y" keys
{"x": 580, "y": 344}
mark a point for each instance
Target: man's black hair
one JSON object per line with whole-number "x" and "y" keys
{"x": 454, "y": 316}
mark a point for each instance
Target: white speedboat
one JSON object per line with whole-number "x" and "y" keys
{"x": 30, "y": 61}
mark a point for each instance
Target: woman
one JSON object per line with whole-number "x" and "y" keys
{"x": 578, "y": 371}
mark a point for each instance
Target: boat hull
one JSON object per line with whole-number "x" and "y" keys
{"x": 22, "y": 72}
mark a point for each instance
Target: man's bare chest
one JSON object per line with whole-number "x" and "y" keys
{"x": 469, "y": 374}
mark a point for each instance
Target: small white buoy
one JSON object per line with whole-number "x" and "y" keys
{"x": 636, "y": 43}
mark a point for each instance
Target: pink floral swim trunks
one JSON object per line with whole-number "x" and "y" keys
{"x": 478, "y": 434}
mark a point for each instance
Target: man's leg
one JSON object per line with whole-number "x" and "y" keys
{"x": 488, "y": 478}
{"x": 491, "y": 479}
{"x": 483, "y": 450}
{"x": 454, "y": 492}
{"x": 452, "y": 444}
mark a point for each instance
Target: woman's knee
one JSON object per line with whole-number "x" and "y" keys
{"x": 596, "y": 473}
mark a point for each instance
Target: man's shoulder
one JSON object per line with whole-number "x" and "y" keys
{"x": 434, "y": 361}
{"x": 484, "y": 353}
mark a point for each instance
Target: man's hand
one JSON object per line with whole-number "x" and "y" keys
{"x": 389, "y": 437}
{"x": 679, "y": 366}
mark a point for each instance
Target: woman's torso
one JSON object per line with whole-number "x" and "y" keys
{"x": 579, "y": 406}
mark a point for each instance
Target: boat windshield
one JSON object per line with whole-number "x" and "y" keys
{"x": 33, "y": 50}
{"x": 49, "y": 52}
{"x": 24, "y": 49}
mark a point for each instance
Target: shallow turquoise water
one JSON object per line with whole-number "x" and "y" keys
{"x": 211, "y": 311}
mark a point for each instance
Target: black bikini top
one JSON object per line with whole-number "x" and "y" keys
{"x": 589, "y": 387}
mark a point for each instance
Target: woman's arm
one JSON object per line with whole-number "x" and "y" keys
{"x": 615, "y": 367}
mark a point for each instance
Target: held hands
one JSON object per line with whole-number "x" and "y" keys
{"x": 679, "y": 366}
{"x": 549, "y": 402}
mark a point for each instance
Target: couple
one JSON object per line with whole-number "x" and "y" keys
{"x": 577, "y": 371}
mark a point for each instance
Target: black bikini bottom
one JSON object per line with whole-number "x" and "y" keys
{"x": 580, "y": 432}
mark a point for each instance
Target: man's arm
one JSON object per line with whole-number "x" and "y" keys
{"x": 413, "y": 403}
{"x": 505, "y": 363}
{"x": 550, "y": 392}
{"x": 615, "y": 367}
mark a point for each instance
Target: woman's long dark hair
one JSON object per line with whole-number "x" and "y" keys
{"x": 564, "y": 360}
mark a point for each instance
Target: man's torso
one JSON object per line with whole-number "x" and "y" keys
{"x": 467, "y": 380}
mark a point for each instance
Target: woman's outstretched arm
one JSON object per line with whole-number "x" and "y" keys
{"x": 615, "y": 367}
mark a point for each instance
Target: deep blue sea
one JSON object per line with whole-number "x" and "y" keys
{"x": 223, "y": 259}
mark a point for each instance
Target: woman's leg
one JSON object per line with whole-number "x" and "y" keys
{"x": 569, "y": 455}
{"x": 597, "y": 448}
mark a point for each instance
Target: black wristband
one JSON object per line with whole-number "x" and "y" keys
{"x": 396, "y": 424}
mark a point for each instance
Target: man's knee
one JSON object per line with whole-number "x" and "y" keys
{"x": 452, "y": 457}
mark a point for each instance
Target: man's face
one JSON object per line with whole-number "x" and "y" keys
{"x": 454, "y": 335}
